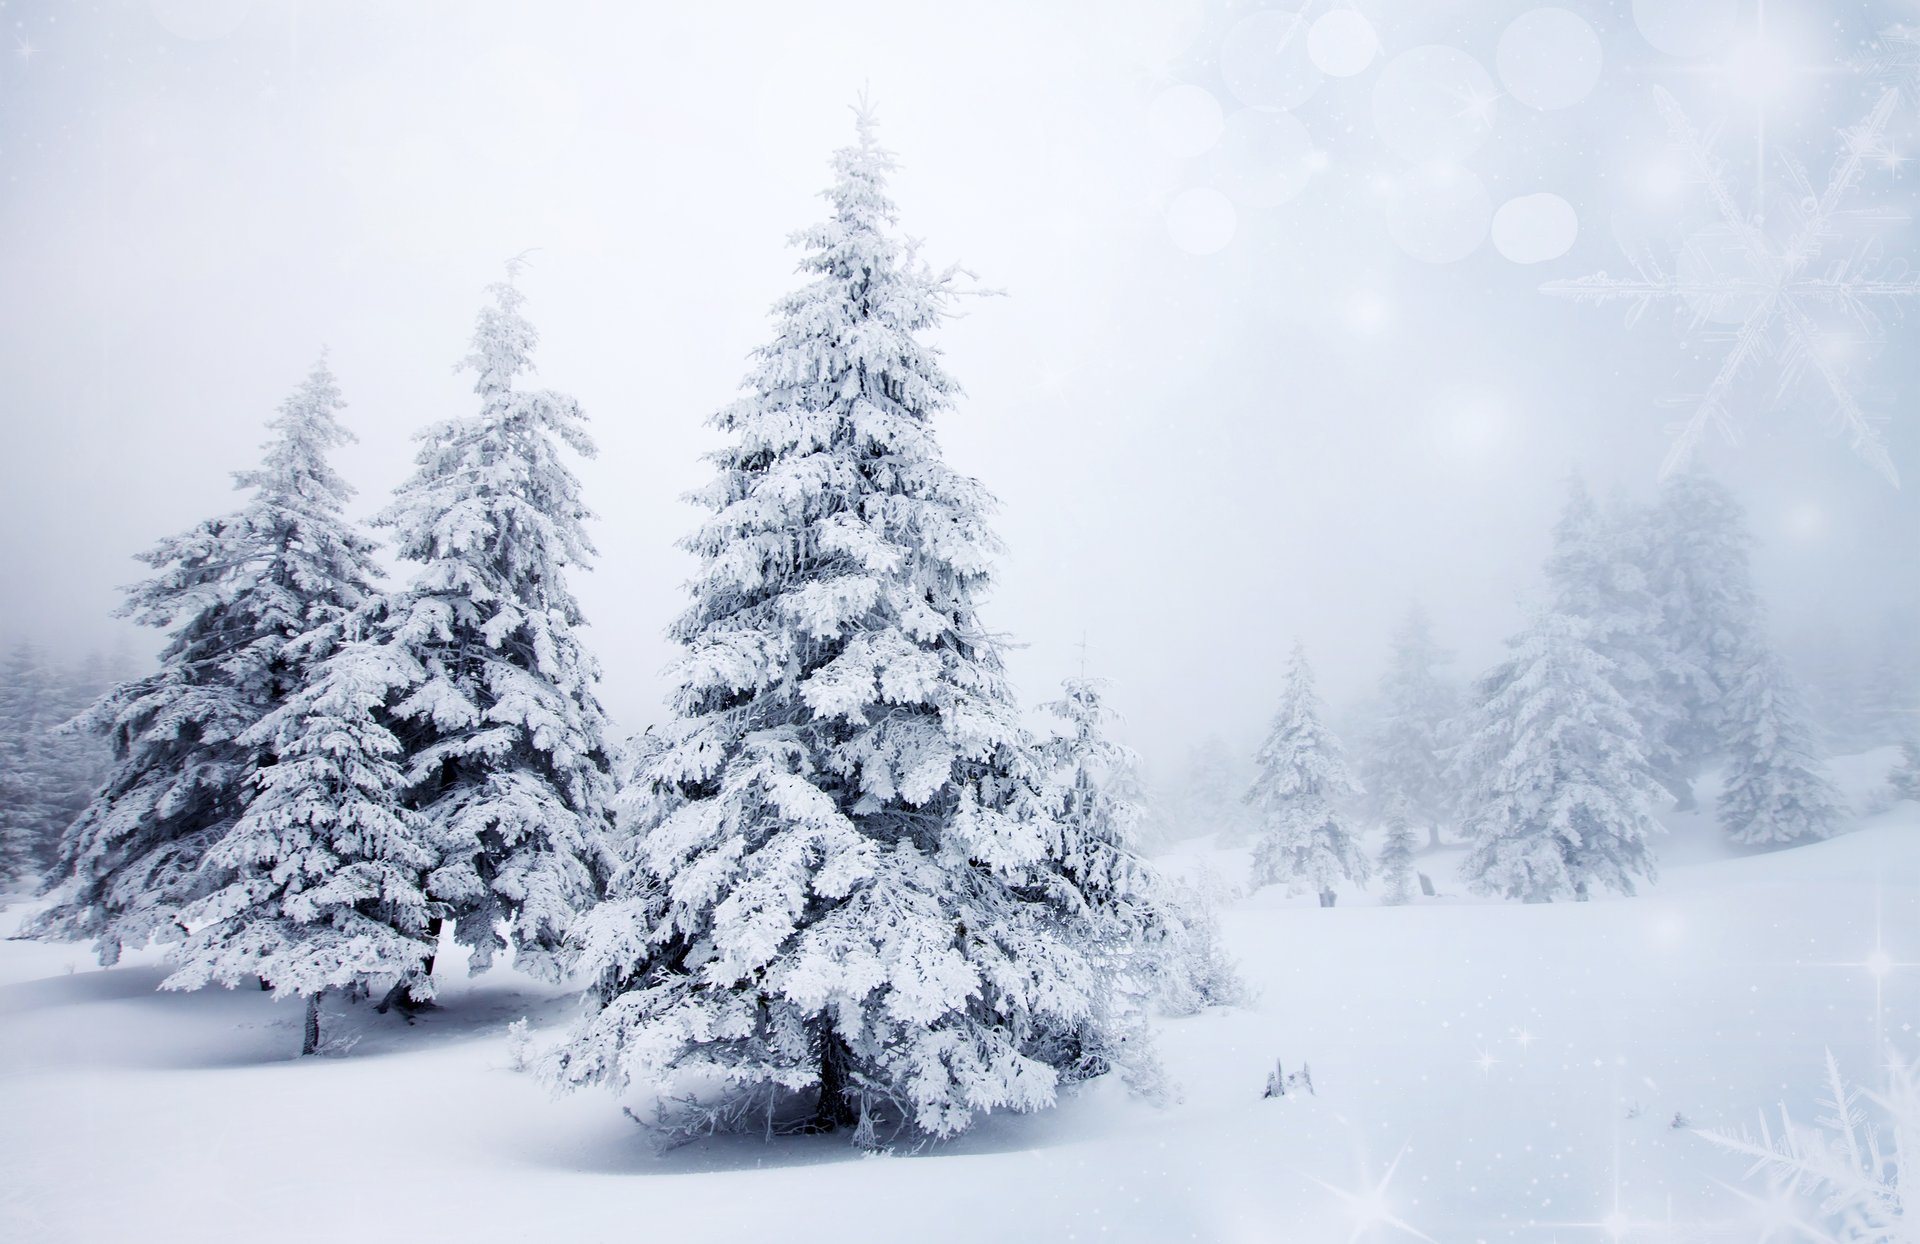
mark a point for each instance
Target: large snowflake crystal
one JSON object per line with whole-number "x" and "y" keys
{"x": 1776, "y": 298}
{"x": 1897, "y": 61}
{"x": 1840, "y": 1180}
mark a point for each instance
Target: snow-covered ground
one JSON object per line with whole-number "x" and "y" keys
{"x": 1484, "y": 1071}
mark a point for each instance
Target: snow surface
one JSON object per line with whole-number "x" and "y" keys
{"x": 1524, "y": 1063}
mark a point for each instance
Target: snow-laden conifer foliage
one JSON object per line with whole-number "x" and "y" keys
{"x": 26, "y": 765}
{"x": 1155, "y": 940}
{"x": 494, "y": 696}
{"x": 1396, "y": 857}
{"x": 233, "y": 593}
{"x": 1305, "y": 839}
{"x": 1558, "y": 790}
{"x": 319, "y": 882}
{"x": 1404, "y": 765}
{"x": 847, "y": 881}
{"x": 1596, "y": 572}
{"x": 1696, "y": 567}
{"x": 1777, "y": 788}
{"x": 1210, "y": 799}
{"x": 1905, "y": 777}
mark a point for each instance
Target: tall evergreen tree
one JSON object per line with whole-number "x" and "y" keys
{"x": 1209, "y": 799}
{"x": 1155, "y": 939}
{"x": 1301, "y": 783}
{"x": 1396, "y": 857}
{"x": 26, "y": 765}
{"x": 494, "y": 694}
{"x": 1597, "y": 573}
{"x": 848, "y": 882}
{"x": 1696, "y": 565}
{"x": 319, "y": 884}
{"x": 233, "y": 592}
{"x": 1777, "y": 788}
{"x": 1404, "y": 765}
{"x": 1559, "y": 792}
{"x": 1889, "y": 699}
{"x": 1905, "y": 777}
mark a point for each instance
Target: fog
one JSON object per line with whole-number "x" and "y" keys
{"x": 1199, "y": 456}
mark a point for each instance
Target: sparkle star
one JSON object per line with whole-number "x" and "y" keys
{"x": 1486, "y": 1062}
{"x": 22, "y": 49}
{"x": 1370, "y": 1208}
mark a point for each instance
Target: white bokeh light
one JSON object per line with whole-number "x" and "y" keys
{"x": 1805, "y": 522}
{"x": 1264, "y": 60}
{"x": 1266, "y": 158}
{"x": 1686, "y": 27}
{"x": 1185, "y": 120}
{"x": 1201, "y": 221}
{"x": 1439, "y": 213}
{"x": 1434, "y": 103}
{"x": 1534, "y": 228}
{"x": 1342, "y": 43}
{"x": 1548, "y": 58}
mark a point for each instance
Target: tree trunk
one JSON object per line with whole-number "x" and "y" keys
{"x": 401, "y": 995}
{"x": 1433, "y": 838}
{"x": 835, "y": 1108}
{"x": 266, "y": 986}
{"x": 1327, "y": 898}
{"x": 434, "y": 925}
{"x": 311, "y": 1045}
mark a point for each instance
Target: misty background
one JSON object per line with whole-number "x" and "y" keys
{"x": 1211, "y": 430}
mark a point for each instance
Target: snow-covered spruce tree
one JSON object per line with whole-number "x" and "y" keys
{"x": 26, "y": 765}
{"x": 1905, "y": 777}
{"x": 1695, "y": 558}
{"x": 1404, "y": 764}
{"x": 494, "y": 697}
{"x": 1889, "y": 696}
{"x": 1157, "y": 941}
{"x": 320, "y": 881}
{"x": 1210, "y": 799}
{"x": 1559, "y": 795}
{"x": 1304, "y": 838}
{"x": 848, "y": 889}
{"x": 1596, "y": 573}
{"x": 1396, "y": 857}
{"x": 1777, "y": 788}
{"x": 234, "y": 592}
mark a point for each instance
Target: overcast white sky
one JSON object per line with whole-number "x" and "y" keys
{"x": 1199, "y": 456}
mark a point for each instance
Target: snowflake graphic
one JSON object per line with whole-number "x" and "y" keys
{"x": 1775, "y": 304}
{"x": 1897, "y": 61}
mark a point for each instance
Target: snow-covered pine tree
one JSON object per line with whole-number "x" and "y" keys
{"x": 1396, "y": 857}
{"x": 1304, "y": 837}
{"x": 320, "y": 881}
{"x": 1595, "y": 572}
{"x": 1404, "y": 764}
{"x": 1695, "y": 557}
{"x": 1085, "y": 765}
{"x": 1777, "y": 788}
{"x": 1559, "y": 794}
{"x": 1158, "y": 940}
{"x": 1889, "y": 696}
{"x": 233, "y": 592}
{"x": 1905, "y": 777}
{"x": 26, "y": 765}
{"x": 495, "y": 701}
{"x": 1209, "y": 800}
{"x": 847, "y": 889}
